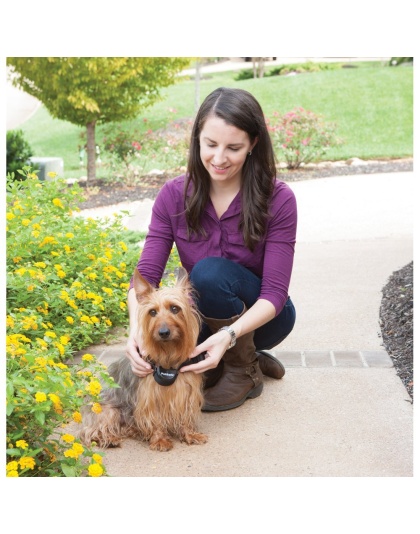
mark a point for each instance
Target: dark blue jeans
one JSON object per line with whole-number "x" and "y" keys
{"x": 224, "y": 287}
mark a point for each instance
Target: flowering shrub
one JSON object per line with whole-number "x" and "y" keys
{"x": 64, "y": 271}
{"x": 301, "y": 136}
{"x": 67, "y": 280}
{"x": 132, "y": 154}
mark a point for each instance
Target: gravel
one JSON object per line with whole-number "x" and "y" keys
{"x": 396, "y": 310}
{"x": 396, "y": 321}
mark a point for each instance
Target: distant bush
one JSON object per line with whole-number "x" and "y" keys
{"x": 395, "y": 61}
{"x": 309, "y": 66}
{"x": 301, "y": 136}
{"x": 18, "y": 152}
{"x": 245, "y": 74}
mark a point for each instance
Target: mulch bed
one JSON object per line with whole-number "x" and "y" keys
{"x": 396, "y": 310}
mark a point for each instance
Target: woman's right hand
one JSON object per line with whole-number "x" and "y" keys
{"x": 133, "y": 352}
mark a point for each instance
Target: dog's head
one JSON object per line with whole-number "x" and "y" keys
{"x": 168, "y": 319}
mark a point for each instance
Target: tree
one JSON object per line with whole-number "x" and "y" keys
{"x": 87, "y": 91}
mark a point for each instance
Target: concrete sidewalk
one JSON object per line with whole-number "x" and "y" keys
{"x": 341, "y": 410}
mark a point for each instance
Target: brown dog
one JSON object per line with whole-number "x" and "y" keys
{"x": 163, "y": 405}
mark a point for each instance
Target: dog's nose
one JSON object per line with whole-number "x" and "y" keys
{"x": 164, "y": 332}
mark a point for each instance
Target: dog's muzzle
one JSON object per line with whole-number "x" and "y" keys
{"x": 166, "y": 377}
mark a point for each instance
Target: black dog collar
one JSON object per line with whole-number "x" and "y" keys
{"x": 166, "y": 377}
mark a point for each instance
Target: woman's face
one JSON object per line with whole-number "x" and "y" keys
{"x": 223, "y": 150}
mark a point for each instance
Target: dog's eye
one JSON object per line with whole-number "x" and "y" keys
{"x": 153, "y": 313}
{"x": 175, "y": 309}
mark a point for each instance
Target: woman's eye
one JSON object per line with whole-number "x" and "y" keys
{"x": 153, "y": 313}
{"x": 174, "y": 309}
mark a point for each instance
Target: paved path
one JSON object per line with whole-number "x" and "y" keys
{"x": 341, "y": 410}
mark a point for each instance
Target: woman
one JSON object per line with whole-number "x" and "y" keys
{"x": 234, "y": 225}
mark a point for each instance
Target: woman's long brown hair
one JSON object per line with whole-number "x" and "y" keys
{"x": 240, "y": 109}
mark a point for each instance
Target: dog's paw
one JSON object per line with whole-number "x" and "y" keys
{"x": 161, "y": 444}
{"x": 194, "y": 438}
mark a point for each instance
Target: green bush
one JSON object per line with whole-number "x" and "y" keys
{"x": 245, "y": 74}
{"x": 301, "y": 136}
{"x": 299, "y": 68}
{"x": 67, "y": 281}
{"x": 18, "y": 152}
{"x": 395, "y": 61}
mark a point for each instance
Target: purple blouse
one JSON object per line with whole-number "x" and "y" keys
{"x": 271, "y": 260}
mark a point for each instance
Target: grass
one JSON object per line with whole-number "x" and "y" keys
{"x": 371, "y": 105}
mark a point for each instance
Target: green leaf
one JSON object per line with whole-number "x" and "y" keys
{"x": 68, "y": 470}
{"x": 40, "y": 417}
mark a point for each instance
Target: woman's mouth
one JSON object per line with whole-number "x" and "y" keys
{"x": 219, "y": 169}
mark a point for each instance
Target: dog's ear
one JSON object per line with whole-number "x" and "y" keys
{"x": 141, "y": 285}
{"x": 182, "y": 278}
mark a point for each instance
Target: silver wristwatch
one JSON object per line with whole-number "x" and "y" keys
{"x": 232, "y": 335}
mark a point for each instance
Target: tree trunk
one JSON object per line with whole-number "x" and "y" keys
{"x": 197, "y": 84}
{"x": 91, "y": 152}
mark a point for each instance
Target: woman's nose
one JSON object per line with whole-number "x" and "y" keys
{"x": 219, "y": 156}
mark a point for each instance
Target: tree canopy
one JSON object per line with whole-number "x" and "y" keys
{"x": 90, "y": 90}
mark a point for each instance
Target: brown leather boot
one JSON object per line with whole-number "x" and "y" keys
{"x": 269, "y": 365}
{"x": 241, "y": 378}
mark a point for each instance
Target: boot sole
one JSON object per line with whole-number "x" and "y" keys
{"x": 256, "y": 392}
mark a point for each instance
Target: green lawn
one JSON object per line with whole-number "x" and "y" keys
{"x": 372, "y": 106}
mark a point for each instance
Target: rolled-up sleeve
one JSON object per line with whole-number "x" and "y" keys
{"x": 279, "y": 248}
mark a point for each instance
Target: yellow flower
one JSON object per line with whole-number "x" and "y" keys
{"x": 50, "y": 334}
{"x": 69, "y": 235}
{"x": 92, "y": 276}
{"x": 36, "y": 226}
{"x": 64, "y": 340}
{"x": 76, "y": 284}
{"x": 13, "y": 466}
{"x": 107, "y": 290}
{"x": 30, "y": 288}
{"x": 78, "y": 449}
{"x": 57, "y": 202}
{"x": 10, "y": 322}
{"x": 27, "y": 461}
{"x": 51, "y": 174}
{"x": 88, "y": 357}
{"x": 70, "y": 454}
{"x": 96, "y": 407}
{"x": 95, "y": 470}
{"x": 85, "y": 319}
{"x": 68, "y": 438}
{"x": 97, "y": 458}
{"x": 77, "y": 417}
{"x": 123, "y": 246}
{"x": 22, "y": 444}
{"x": 12, "y": 474}
{"x": 70, "y": 319}
{"x": 123, "y": 305}
{"x": 10, "y": 216}
{"x": 61, "y": 274}
{"x": 94, "y": 319}
{"x": 26, "y": 222}
{"x": 94, "y": 387}
{"x": 40, "y": 396}
{"x": 48, "y": 240}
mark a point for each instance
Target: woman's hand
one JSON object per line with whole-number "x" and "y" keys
{"x": 215, "y": 346}
{"x": 133, "y": 352}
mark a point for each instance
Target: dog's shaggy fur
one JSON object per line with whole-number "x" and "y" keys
{"x": 140, "y": 407}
